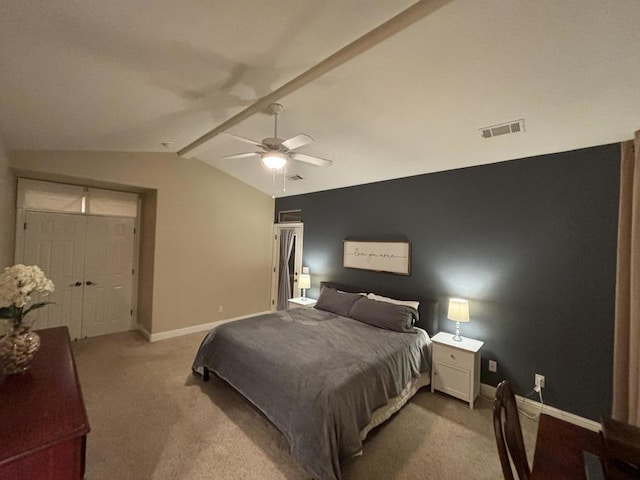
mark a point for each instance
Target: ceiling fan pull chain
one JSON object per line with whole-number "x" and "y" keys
{"x": 284, "y": 178}
{"x": 273, "y": 183}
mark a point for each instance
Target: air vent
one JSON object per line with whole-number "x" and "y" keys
{"x": 295, "y": 177}
{"x": 289, "y": 216}
{"x": 515, "y": 126}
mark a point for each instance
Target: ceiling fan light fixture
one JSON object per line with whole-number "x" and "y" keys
{"x": 274, "y": 160}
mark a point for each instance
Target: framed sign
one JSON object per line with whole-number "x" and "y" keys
{"x": 391, "y": 257}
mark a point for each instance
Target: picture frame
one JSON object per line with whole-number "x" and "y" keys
{"x": 387, "y": 257}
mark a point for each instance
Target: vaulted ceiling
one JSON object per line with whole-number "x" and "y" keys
{"x": 130, "y": 75}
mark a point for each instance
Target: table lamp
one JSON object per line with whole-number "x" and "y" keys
{"x": 304, "y": 282}
{"x": 458, "y": 312}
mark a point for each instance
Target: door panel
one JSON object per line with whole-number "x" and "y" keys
{"x": 108, "y": 275}
{"x": 90, "y": 261}
{"x": 55, "y": 242}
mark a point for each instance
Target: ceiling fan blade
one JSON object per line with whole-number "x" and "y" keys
{"x": 298, "y": 141}
{"x": 241, "y": 155}
{"x": 317, "y": 161}
{"x": 244, "y": 139}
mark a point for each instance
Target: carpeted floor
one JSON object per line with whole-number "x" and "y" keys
{"x": 151, "y": 419}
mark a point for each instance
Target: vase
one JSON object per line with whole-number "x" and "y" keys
{"x": 17, "y": 349}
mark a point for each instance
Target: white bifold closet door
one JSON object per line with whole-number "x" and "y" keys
{"x": 90, "y": 260}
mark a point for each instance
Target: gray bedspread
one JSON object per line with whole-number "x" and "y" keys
{"x": 316, "y": 375}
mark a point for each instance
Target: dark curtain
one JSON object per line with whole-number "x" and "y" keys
{"x": 284, "y": 280}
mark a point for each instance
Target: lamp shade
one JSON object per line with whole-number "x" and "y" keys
{"x": 304, "y": 280}
{"x": 458, "y": 310}
{"x": 274, "y": 160}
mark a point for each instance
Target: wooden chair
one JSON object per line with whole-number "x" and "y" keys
{"x": 506, "y": 424}
{"x": 621, "y": 447}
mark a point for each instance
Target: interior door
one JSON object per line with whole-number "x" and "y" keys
{"x": 89, "y": 258}
{"x": 108, "y": 275}
{"x": 55, "y": 242}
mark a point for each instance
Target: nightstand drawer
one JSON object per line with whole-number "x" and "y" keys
{"x": 453, "y": 356}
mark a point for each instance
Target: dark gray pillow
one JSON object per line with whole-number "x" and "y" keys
{"x": 400, "y": 318}
{"x": 334, "y": 301}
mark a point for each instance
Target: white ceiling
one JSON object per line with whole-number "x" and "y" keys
{"x": 127, "y": 75}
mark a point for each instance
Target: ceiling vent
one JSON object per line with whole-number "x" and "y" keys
{"x": 515, "y": 126}
{"x": 295, "y": 177}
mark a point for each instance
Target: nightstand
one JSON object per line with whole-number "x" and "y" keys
{"x": 455, "y": 366}
{"x": 301, "y": 302}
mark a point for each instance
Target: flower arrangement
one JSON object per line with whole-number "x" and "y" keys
{"x": 17, "y": 284}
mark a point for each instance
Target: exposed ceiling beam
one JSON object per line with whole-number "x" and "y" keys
{"x": 396, "y": 24}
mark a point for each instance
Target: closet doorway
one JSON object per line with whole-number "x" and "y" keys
{"x": 287, "y": 263}
{"x": 89, "y": 258}
{"x": 85, "y": 241}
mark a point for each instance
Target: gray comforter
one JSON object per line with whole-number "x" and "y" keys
{"x": 316, "y": 375}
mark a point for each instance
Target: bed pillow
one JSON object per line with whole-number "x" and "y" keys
{"x": 337, "y": 302}
{"x": 391, "y": 316}
{"x": 380, "y": 298}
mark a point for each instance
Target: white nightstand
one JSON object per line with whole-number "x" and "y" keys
{"x": 456, "y": 366}
{"x": 301, "y": 302}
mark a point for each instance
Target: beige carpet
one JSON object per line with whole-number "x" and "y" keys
{"x": 151, "y": 419}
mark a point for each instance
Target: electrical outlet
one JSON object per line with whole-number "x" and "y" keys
{"x": 493, "y": 366}
{"x": 539, "y": 380}
{"x": 220, "y": 308}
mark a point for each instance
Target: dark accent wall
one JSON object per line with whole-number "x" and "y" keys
{"x": 531, "y": 243}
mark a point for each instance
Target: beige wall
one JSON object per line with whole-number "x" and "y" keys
{"x": 7, "y": 209}
{"x": 212, "y": 243}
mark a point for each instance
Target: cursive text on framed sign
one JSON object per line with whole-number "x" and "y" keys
{"x": 391, "y": 257}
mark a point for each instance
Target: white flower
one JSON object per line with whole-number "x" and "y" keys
{"x": 18, "y": 282}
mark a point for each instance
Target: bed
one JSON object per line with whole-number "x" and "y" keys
{"x": 325, "y": 376}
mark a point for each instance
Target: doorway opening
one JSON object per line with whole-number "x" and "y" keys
{"x": 287, "y": 263}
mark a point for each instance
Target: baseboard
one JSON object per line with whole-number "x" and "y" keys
{"x": 533, "y": 406}
{"x": 154, "y": 337}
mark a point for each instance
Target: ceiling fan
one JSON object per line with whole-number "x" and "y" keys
{"x": 276, "y": 152}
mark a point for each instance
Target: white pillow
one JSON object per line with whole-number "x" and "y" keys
{"x": 342, "y": 291}
{"x": 380, "y": 298}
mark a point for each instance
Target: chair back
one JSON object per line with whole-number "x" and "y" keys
{"x": 506, "y": 424}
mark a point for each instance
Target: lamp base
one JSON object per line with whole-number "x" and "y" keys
{"x": 457, "y": 337}
{"x": 304, "y": 294}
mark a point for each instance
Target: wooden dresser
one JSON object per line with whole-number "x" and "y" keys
{"x": 43, "y": 423}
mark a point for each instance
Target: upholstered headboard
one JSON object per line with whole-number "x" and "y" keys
{"x": 428, "y": 309}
